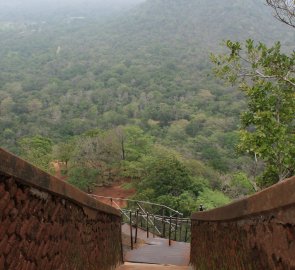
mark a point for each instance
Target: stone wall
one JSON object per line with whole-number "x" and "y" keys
{"x": 47, "y": 224}
{"x": 251, "y": 234}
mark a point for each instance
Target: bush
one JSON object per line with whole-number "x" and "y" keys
{"x": 212, "y": 198}
{"x": 166, "y": 175}
{"x": 83, "y": 178}
{"x": 268, "y": 178}
{"x": 241, "y": 184}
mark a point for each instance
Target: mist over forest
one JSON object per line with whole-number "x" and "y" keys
{"x": 31, "y": 10}
{"x": 125, "y": 89}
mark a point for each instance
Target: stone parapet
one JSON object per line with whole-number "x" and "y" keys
{"x": 46, "y": 223}
{"x": 257, "y": 232}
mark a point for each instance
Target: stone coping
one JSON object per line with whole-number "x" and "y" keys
{"x": 275, "y": 197}
{"x": 30, "y": 175}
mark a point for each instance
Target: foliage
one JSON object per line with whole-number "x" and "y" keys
{"x": 133, "y": 170}
{"x": 119, "y": 97}
{"x": 135, "y": 142}
{"x": 37, "y": 150}
{"x": 167, "y": 180}
{"x": 127, "y": 186}
{"x": 198, "y": 185}
{"x": 256, "y": 62}
{"x": 284, "y": 10}
{"x": 65, "y": 77}
{"x": 83, "y": 178}
{"x": 165, "y": 175}
{"x": 266, "y": 77}
{"x": 64, "y": 151}
{"x": 97, "y": 150}
{"x": 241, "y": 184}
{"x": 268, "y": 178}
{"x": 212, "y": 198}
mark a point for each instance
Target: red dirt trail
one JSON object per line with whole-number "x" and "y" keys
{"x": 114, "y": 191}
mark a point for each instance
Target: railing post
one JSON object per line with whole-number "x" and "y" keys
{"x": 164, "y": 227}
{"x": 122, "y": 251}
{"x": 136, "y": 226}
{"x": 186, "y": 230}
{"x": 154, "y": 230}
{"x": 170, "y": 221}
{"x": 147, "y": 225}
{"x": 131, "y": 238}
{"x": 180, "y": 229}
{"x": 176, "y": 224}
{"x": 141, "y": 220}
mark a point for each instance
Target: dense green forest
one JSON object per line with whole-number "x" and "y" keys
{"x": 132, "y": 94}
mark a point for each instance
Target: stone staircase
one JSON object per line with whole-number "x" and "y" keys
{"x": 155, "y": 253}
{"x": 135, "y": 266}
{"x": 158, "y": 251}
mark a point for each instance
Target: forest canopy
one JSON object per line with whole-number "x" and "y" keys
{"x": 116, "y": 94}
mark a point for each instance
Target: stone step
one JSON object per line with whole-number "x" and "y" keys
{"x": 136, "y": 266}
{"x": 158, "y": 251}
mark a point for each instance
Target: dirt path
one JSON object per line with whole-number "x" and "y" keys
{"x": 114, "y": 191}
{"x": 58, "y": 166}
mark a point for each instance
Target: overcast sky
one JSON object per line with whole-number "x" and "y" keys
{"x": 32, "y": 9}
{"x": 65, "y": 2}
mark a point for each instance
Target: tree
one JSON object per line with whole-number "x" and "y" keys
{"x": 241, "y": 185}
{"x": 97, "y": 149}
{"x": 284, "y": 10}
{"x": 212, "y": 198}
{"x": 37, "y": 150}
{"x": 64, "y": 151}
{"x": 266, "y": 76}
{"x": 166, "y": 175}
{"x": 165, "y": 180}
{"x": 83, "y": 178}
{"x": 256, "y": 62}
{"x": 134, "y": 143}
{"x": 97, "y": 156}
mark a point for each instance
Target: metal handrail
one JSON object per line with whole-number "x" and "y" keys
{"x": 178, "y": 228}
{"x": 175, "y": 223}
{"x": 136, "y": 201}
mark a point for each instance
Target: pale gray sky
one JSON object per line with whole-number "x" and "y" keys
{"x": 32, "y": 9}
{"x": 66, "y": 2}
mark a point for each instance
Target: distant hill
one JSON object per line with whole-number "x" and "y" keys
{"x": 200, "y": 23}
{"x": 49, "y": 10}
{"x": 147, "y": 66}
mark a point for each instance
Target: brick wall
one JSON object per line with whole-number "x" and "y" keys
{"x": 252, "y": 234}
{"x": 47, "y": 224}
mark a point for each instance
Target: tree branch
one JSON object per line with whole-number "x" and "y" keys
{"x": 284, "y": 11}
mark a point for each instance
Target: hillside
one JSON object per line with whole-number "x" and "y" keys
{"x": 147, "y": 66}
{"x": 201, "y": 23}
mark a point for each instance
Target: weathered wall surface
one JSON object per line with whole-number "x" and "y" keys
{"x": 48, "y": 224}
{"x": 252, "y": 234}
